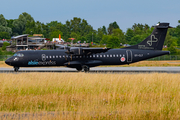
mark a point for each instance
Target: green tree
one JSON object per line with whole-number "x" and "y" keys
{"x": 6, "y": 29}
{"x": 3, "y": 26}
{"x": 105, "y": 39}
{"x": 129, "y": 35}
{"x": 99, "y": 34}
{"x": 45, "y": 30}
{"x": 4, "y": 35}
{"x": 20, "y": 23}
{"x": 112, "y": 26}
{"x": 135, "y": 40}
{"x": 10, "y": 23}
{"x": 168, "y": 41}
{"x": 113, "y": 42}
{"x": 119, "y": 33}
{"x": 3, "y": 21}
{"x": 55, "y": 34}
{"x": 104, "y": 30}
{"x": 29, "y": 27}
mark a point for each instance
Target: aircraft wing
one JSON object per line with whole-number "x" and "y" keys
{"x": 86, "y": 51}
{"x": 95, "y": 50}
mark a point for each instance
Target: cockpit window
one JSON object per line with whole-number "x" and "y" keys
{"x": 15, "y": 54}
{"x": 19, "y": 55}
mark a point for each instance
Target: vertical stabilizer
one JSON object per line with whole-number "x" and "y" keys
{"x": 155, "y": 41}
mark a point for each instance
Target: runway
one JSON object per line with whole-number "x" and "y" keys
{"x": 98, "y": 69}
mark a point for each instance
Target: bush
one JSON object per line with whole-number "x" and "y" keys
{"x": 172, "y": 50}
{"x": 4, "y": 45}
{"x": 0, "y": 52}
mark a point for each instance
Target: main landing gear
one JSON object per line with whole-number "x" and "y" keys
{"x": 84, "y": 68}
{"x": 79, "y": 69}
{"x": 16, "y": 69}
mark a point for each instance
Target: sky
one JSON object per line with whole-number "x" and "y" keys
{"x": 98, "y": 13}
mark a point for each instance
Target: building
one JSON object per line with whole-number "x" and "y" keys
{"x": 23, "y": 42}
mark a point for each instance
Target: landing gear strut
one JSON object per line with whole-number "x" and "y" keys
{"x": 16, "y": 69}
{"x": 79, "y": 69}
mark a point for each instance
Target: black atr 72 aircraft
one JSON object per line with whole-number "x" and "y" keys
{"x": 83, "y": 58}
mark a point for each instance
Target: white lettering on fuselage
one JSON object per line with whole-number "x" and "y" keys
{"x": 43, "y": 62}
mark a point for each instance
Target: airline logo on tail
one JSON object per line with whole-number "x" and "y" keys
{"x": 153, "y": 39}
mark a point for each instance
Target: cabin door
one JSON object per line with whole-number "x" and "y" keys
{"x": 129, "y": 56}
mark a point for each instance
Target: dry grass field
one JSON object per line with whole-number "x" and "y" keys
{"x": 92, "y": 96}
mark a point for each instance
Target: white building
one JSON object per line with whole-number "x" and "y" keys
{"x": 57, "y": 40}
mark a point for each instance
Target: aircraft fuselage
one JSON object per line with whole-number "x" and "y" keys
{"x": 60, "y": 58}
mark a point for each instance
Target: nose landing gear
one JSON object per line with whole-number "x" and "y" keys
{"x": 16, "y": 69}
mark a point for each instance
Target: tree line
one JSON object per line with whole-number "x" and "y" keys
{"x": 79, "y": 28}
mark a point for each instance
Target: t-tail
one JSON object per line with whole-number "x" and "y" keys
{"x": 155, "y": 41}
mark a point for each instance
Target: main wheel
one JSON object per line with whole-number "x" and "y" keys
{"x": 16, "y": 69}
{"x": 85, "y": 68}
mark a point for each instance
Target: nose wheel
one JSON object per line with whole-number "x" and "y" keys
{"x": 16, "y": 69}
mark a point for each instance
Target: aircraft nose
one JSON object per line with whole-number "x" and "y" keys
{"x": 8, "y": 62}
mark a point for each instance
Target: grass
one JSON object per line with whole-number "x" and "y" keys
{"x": 92, "y": 96}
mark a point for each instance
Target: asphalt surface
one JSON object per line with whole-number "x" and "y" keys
{"x": 98, "y": 69}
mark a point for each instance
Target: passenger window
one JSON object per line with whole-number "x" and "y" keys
{"x": 114, "y": 55}
{"x": 94, "y": 56}
{"x": 110, "y": 55}
{"x": 117, "y": 55}
{"x": 53, "y": 56}
{"x": 46, "y": 56}
{"x": 104, "y": 55}
{"x": 60, "y": 56}
{"x": 56, "y": 56}
{"x": 120, "y": 55}
{"x": 107, "y": 55}
{"x": 100, "y": 55}
{"x": 90, "y": 56}
{"x": 63, "y": 56}
{"x": 49, "y": 56}
{"x": 97, "y": 55}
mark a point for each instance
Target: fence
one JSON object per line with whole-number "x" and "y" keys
{"x": 165, "y": 57}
